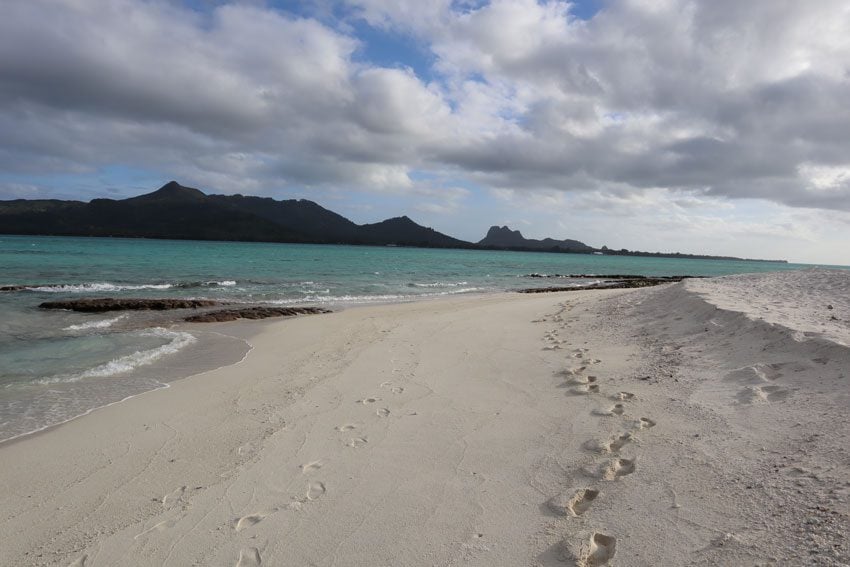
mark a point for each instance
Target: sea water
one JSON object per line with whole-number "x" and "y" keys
{"x": 55, "y": 365}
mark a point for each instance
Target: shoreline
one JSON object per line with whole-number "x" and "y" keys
{"x": 502, "y": 429}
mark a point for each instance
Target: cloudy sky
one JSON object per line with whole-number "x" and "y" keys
{"x": 704, "y": 126}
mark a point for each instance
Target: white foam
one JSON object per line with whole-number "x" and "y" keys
{"x": 130, "y": 362}
{"x": 385, "y": 298}
{"x": 440, "y": 284}
{"x": 102, "y": 324}
{"x": 97, "y": 287}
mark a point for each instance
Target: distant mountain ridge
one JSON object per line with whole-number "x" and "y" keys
{"x": 184, "y": 213}
{"x": 505, "y": 238}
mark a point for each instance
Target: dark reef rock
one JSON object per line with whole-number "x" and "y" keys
{"x": 253, "y": 313}
{"x": 12, "y": 288}
{"x": 103, "y": 304}
{"x": 631, "y": 282}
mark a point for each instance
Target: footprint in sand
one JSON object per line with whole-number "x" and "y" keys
{"x": 624, "y": 396}
{"x": 158, "y": 527}
{"x": 174, "y": 497}
{"x": 644, "y": 423}
{"x": 583, "y": 380}
{"x": 365, "y": 401}
{"x": 345, "y": 427}
{"x": 761, "y": 394}
{"x": 383, "y": 412}
{"x": 357, "y": 442}
{"x": 249, "y": 557}
{"x": 617, "y": 468}
{"x": 315, "y": 490}
{"x": 397, "y": 390}
{"x": 600, "y": 550}
{"x": 574, "y": 505}
{"x": 81, "y": 562}
{"x": 586, "y": 389}
{"x": 580, "y": 503}
{"x": 610, "y": 446}
{"x": 311, "y": 467}
{"x": 616, "y": 409}
{"x": 246, "y": 522}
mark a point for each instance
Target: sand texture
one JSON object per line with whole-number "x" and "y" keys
{"x": 660, "y": 426}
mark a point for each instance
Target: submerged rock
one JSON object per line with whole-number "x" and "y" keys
{"x": 253, "y": 313}
{"x": 631, "y": 282}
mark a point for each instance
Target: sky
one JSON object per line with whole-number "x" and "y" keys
{"x": 701, "y": 126}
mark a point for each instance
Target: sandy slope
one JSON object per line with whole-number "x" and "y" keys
{"x": 627, "y": 427}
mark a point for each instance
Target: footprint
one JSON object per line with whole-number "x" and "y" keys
{"x": 624, "y": 396}
{"x": 761, "y": 394}
{"x": 383, "y": 412}
{"x": 611, "y": 446}
{"x": 397, "y": 390}
{"x": 616, "y": 409}
{"x": 249, "y": 557}
{"x": 365, "y": 401}
{"x": 311, "y": 467}
{"x": 345, "y": 427}
{"x": 586, "y": 389}
{"x": 159, "y": 527}
{"x": 644, "y": 423}
{"x": 592, "y": 361}
{"x": 246, "y": 522}
{"x": 174, "y": 496}
{"x": 357, "y": 442}
{"x": 601, "y": 550}
{"x": 618, "y": 468}
{"x": 619, "y": 442}
{"x": 580, "y": 503}
{"x": 81, "y": 562}
{"x": 315, "y": 490}
{"x": 775, "y": 393}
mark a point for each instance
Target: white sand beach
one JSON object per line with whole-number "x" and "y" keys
{"x": 700, "y": 423}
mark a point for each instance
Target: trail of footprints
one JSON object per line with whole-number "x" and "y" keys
{"x": 315, "y": 489}
{"x": 595, "y": 549}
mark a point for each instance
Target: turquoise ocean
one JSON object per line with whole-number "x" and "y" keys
{"x": 55, "y": 365}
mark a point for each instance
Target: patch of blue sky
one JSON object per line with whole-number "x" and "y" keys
{"x": 585, "y": 9}
{"x": 387, "y": 48}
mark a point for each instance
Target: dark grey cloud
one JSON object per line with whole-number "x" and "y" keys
{"x": 720, "y": 98}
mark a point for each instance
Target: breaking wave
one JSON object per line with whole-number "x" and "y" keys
{"x": 124, "y": 364}
{"x": 101, "y": 324}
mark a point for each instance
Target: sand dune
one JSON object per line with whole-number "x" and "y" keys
{"x": 680, "y": 425}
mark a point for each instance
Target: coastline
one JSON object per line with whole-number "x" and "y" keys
{"x": 454, "y": 431}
